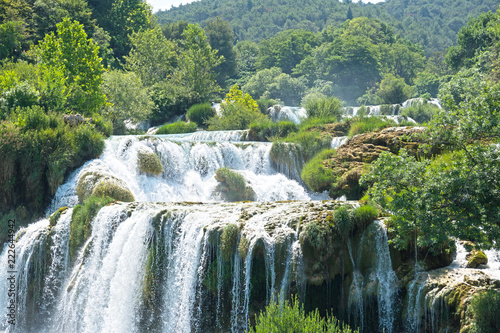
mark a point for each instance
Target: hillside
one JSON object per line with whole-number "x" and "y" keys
{"x": 433, "y": 24}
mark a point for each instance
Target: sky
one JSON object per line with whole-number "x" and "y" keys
{"x": 166, "y": 4}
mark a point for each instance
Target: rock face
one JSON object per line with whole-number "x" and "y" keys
{"x": 75, "y": 119}
{"x": 354, "y": 156}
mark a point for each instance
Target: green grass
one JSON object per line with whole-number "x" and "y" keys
{"x": 368, "y": 124}
{"x": 200, "y": 113}
{"x": 177, "y": 127}
{"x": 266, "y": 130}
{"x": 317, "y": 176}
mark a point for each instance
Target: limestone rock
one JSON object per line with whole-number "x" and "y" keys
{"x": 74, "y": 119}
{"x": 100, "y": 182}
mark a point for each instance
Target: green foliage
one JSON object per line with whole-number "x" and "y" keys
{"x": 38, "y": 150}
{"x": 266, "y": 130}
{"x": 177, "y": 127}
{"x": 229, "y": 240}
{"x": 273, "y": 84}
{"x": 484, "y": 307}
{"x": 200, "y": 113}
{"x": 311, "y": 142}
{"x": 431, "y": 201}
{"x": 316, "y": 173}
{"x": 152, "y": 56}
{"x": 291, "y": 317}
{"x": 197, "y": 63}
{"x": 362, "y": 216}
{"x": 421, "y": 112}
{"x": 12, "y": 36}
{"x": 343, "y": 224}
{"x": 170, "y": 99}
{"x": 232, "y": 186}
{"x": 221, "y": 38}
{"x": 318, "y": 105}
{"x": 20, "y": 95}
{"x": 368, "y": 124}
{"x": 81, "y": 227}
{"x": 128, "y": 99}
{"x": 265, "y": 103}
{"x": 393, "y": 90}
{"x": 77, "y": 57}
{"x": 237, "y": 112}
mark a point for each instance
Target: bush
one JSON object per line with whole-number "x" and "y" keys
{"x": 421, "y": 112}
{"x": 318, "y": 105}
{"x": 367, "y": 125}
{"x": 310, "y": 142}
{"x": 343, "y": 223}
{"x": 200, "y": 113}
{"x": 81, "y": 228}
{"x": 316, "y": 175}
{"x": 363, "y": 216}
{"x": 234, "y": 117}
{"x": 177, "y": 127}
{"x": 232, "y": 186}
{"x": 265, "y": 103}
{"x": 267, "y": 130}
{"x": 484, "y": 307}
{"x": 291, "y": 317}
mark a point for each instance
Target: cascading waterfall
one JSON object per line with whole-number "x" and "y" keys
{"x": 155, "y": 265}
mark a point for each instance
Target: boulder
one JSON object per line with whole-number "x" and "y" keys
{"x": 148, "y": 162}
{"x": 476, "y": 258}
{"x": 101, "y": 183}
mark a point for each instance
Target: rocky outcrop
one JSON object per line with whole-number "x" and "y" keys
{"x": 76, "y": 119}
{"x": 352, "y": 158}
{"x": 148, "y": 162}
{"x": 476, "y": 258}
{"x": 102, "y": 183}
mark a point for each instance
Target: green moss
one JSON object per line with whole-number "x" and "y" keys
{"x": 228, "y": 240}
{"x": 149, "y": 162}
{"x": 81, "y": 228}
{"x": 363, "y": 216}
{"x": 55, "y": 216}
{"x": 316, "y": 174}
{"x": 101, "y": 184}
{"x": 243, "y": 247}
{"x": 267, "y": 130}
{"x": 232, "y": 186}
{"x": 178, "y": 127}
{"x": 343, "y": 222}
{"x": 476, "y": 258}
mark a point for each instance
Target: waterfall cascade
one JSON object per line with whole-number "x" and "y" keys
{"x": 179, "y": 259}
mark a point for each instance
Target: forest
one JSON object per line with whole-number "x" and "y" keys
{"x": 74, "y": 72}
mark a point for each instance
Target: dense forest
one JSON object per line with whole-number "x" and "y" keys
{"x": 74, "y": 72}
{"x": 432, "y": 24}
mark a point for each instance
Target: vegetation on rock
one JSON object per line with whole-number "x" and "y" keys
{"x": 232, "y": 186}
{"x": 149, "y": 162}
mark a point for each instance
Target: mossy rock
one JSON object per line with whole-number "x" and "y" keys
{"x": 476, "y": 258}
{"x": 148, "y": 162}
{"x": 233, "y": 186}
{"x": 100, "y": 183}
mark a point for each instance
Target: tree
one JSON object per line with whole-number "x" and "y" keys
{"x": 152, "y": 56}
{"x": 349, "y": 14}
{"x": 197, "y": 63}
{"x": 12, "y": 36}
{"x": 71, "y": 52}
{"x": 393, "y": 90}
{"x": 125, "y": 18}
{"x": 128, "y": 99}
{"x": 221, "y": 38}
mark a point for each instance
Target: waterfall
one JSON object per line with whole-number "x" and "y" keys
{"x": 287, "y": 113}
{"x": 338, "y": 141}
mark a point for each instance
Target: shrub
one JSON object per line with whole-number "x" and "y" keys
{"x": 232, "y": 186}
{"x": 229, "y": 239}
{"x": 81, "y": 228}
{"x": 318, "y": 105}
{"x": 421, "y": 112}
{"x": 316, "y": 175}
{"x": 267, "y": 130}
{"x": 149, "y": 162}
{"x": 484, "y": 307}
{"x": 265, "y": 103}
{"x": 343, "y": 223}
{"x": 291, "y": 317}
{"x": 367, "y": 125}
{"x": 200, "y": 113}
{"x": 362, "y": 216}
{"x": 311, "y": 142}
{"x": 234, "y": 117}
{"x": 177, "y": 127}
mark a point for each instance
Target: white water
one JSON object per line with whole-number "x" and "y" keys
{"x": 189, "y": 169}
{"x": 287, "y": 113}
{"x": 338, "y": 141}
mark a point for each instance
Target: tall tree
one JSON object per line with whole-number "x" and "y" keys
{"x": 221, "y": 38}
{"x": 77, "y": 56}
{"x": 197, "y": 64}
